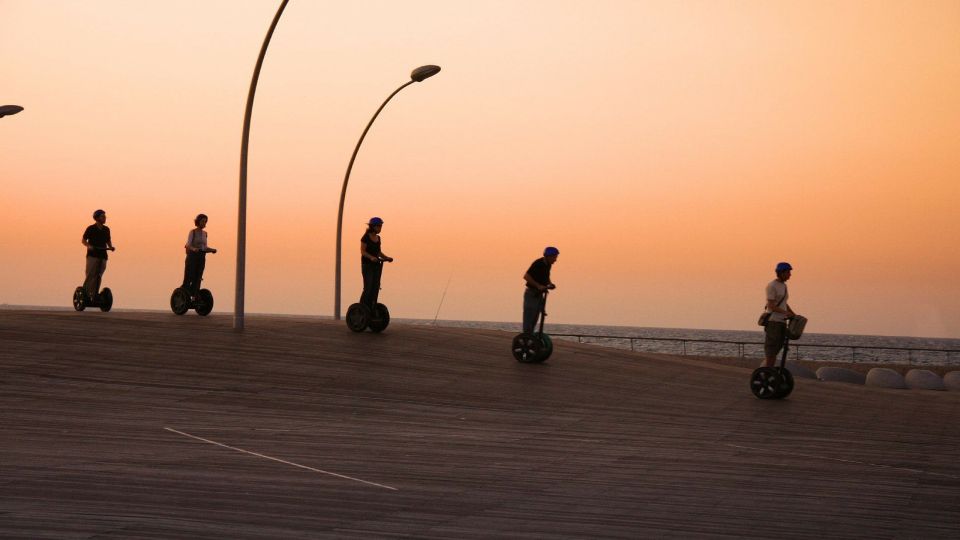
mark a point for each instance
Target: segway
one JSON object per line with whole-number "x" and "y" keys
{"x": 81, "y": 301}
{"x": 536, "y": 347}
{"x": 777, "y": 382}
{"x": 360, "y": 317}
{"x": 104, "y": 300}
{"x": 181, "y": 301}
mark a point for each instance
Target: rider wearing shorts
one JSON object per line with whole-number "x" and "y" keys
{"x": 776, "y": 328}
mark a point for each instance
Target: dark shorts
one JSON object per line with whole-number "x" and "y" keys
{"x": 776, "y": 332}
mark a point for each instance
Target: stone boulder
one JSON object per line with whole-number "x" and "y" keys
{"x": 800, "y": 371}
{"x": 952, "y": 380}
{"x": 924, "y": 379}
{"x": 844, "y": 375}
{"x": 885, "y": 378}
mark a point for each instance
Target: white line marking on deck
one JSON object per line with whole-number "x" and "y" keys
{"x": 843, "y": 461}
{"x": 280, "y": 460}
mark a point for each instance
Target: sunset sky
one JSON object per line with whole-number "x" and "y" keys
{"x": 673, "y": 151}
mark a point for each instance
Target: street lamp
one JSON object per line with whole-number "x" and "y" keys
{"x": 7, "y": 110}
{"x": 242, "y": 203}
{"x": 417, "y": 75}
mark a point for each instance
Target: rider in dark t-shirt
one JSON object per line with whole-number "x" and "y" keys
{"x": 96, "y": 238}
{"x": 371, "y": 262}
{"x": 538, "y": 281}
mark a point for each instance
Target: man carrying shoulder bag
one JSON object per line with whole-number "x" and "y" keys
{"x": 777, "y": 312}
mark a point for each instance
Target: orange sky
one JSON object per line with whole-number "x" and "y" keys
{"x": 673, "y": 151}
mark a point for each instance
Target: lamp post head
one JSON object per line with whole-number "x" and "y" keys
{"x": 6, "y": 110}
{"x": 424, "y": 72}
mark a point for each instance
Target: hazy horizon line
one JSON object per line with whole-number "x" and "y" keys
{"x": 14, "y": 307}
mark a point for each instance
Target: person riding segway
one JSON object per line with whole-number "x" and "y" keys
{"x": 97, "y": 240}
{"x": 368, "y": 313}
{"x": 529, "y": 346}
{"x": 189, "y": 295}
{"x": 781, "y": 325}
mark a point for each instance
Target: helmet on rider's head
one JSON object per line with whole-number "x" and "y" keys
{"x": 550, "y": 251}
{"x": 783, "y": 267}
{"x": 375, "y": 221}
{"x": 98, "y": 213}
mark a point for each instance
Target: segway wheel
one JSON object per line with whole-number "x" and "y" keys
{"x": 79, "y": 299}
{"x": 358, "y": 317}
{"x": 106, "y": 299}
{"x": 380, "y": 319}
{"x": 179, "y": 301}
{"x": 527, "y": 348}
{"x": 204, "y": 302}
{"x": 546, "y": 349}
{"x": 786, "y": 384}
{"x": 765, "y": 382}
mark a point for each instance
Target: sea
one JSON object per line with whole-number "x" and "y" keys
{"x": 899, "y": 350}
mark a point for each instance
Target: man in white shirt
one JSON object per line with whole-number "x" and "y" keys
{"x": 780, "y": 311}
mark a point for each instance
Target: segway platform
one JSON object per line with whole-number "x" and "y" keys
{"x": 777, "y": 382}
{"x": 360, "y": 317}
{"x": 533, "y": 347}
{"x": 104, "y": 300}
{"x": 181, "y": 301}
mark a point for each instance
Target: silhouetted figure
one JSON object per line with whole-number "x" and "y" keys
{"x": 97, "y": 240}
{"x": 196, "y": 261}
{"x": 371, "y": 262}
{"x": 538, "y": 280}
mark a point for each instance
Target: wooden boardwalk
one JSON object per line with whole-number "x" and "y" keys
{"x": 148, "y": 425}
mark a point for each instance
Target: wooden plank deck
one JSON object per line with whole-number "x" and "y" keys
{"x": 595, "y": 443}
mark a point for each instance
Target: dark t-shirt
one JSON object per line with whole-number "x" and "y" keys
{"x": 540, "y": 272}
{"x": 373, "y": 248}
{"x": 97, "y": 237}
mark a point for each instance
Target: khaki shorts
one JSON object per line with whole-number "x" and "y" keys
{"x": 776, "y": 332}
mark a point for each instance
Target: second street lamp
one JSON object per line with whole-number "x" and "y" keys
{"x": 417, "y": 75}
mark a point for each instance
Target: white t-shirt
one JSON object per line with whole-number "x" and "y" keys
{"x": 777, "y": 291}
{"x": 197, "y": 239}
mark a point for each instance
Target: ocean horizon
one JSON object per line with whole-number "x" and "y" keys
{"x": 855, "y": 348}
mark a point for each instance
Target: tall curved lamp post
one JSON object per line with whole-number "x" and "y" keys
{"x": 7, "y": 110}
{"x": 417, "y": 75}
{"x": 244, "y": 144}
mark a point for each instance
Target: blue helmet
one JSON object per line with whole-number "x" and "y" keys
{"x": 550, "y": 251}
{"x": 783, "y": 267}
{"x": 375, "y": 221}
{"x": 98, "y": 213}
